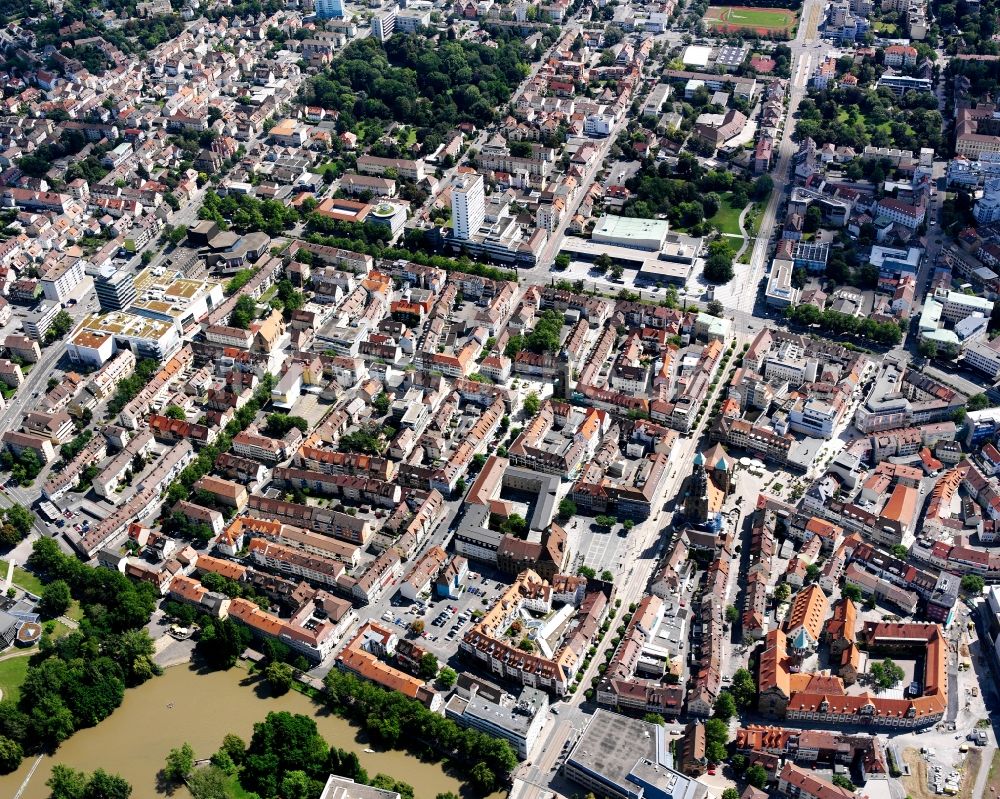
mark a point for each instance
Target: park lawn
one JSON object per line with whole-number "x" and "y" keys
{"x": 268, "y": 295}
{"x": 12, "y": 674}
{"x": 884, "y": 27}
{"x": 411, "y": 138}
{"x": 59, "y": 629}
{"x": 74, "y": 611}
{"x": 727, "y": 218}
{"x": 234, "y": 790}
{"x": 23, "y": 579}
{"x": 844, "y": 115}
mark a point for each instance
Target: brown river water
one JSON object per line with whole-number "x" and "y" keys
{"x": 185, "y": 705}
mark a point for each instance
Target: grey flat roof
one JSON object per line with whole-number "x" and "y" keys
{"x": 612, "y": 744}
{"x": 628, "y": 752}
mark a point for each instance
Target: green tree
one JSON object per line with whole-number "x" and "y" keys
{"x": 813, "y": 219}
{"x": 756, "y": 776}
{"x": 55, "y": 599}
{"x": 886, "y": 674}
{"x": 977, "y": 402}
{"x": 567, "y": 509}
{"x": 447, "y": 678}
{"x": 743, "y": 689}
{"x": 179, "y": 763}
{"x": 852, "y": 592}
{"x": 973, "y": 584}
{"x": 297, "y": 785}
{"x": 782, "y": 592}
{"x": 654, "y": 718}
{"x": 102, "y": 785}
{"x": 730, "y": 793}
{"x": 11, "y": 754}
{"x": 20, "y": 518}
{"x": 719, "y": 269}
{"x": 234, "y": 748}
{"x": 715, "y": 308}
{"x": 724, "y": 707}
{"x": 381, "y": 404}
{"x": 280, "y": 677}
{"x": 562, "y": 262}
{"x": 208, "y": 782}
{"x": 222, "y": 641}
{"x": 762, "y": 187}
{"x": 62, "y": 323}
{"x": 532, "y": 404}
{"x": 842, "y": 782}
{"x": 175, "y": 412}
{"x": 427, "y": 668}
{"x": 732, "y": 613}
{"x": 244, "y": 313}
{"x": 68, "y": 783}
{"x": 483, "y": 779}
{"x": 281, "y": 743}
{"x": 607, "y": 576}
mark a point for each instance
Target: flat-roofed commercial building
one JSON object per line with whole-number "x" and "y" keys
{"x": 638, "y": 234}
{"x": 627, "y": 758}
{"x": 518, "y": 721}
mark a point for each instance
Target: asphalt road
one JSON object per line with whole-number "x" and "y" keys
{"x": 741, "y": 292}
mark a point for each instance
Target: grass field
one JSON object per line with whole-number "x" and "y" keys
{"x": 764, "y": 21}
{"x": 24, "y": 579}
{"x": 727, "y": 218}
{"x": 12, "y": 672}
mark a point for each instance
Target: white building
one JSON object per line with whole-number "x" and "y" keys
{"x": 983, "y": 355}
{"x": 383, "y": 25}
{"x": 409, "y": 20}
{"x": 468, "y": 205}
{"x": 329, "y": 9}
{"x": 93, "y": 349}
{"x": 598, "y": 125}
{"x": 60, "y": 281}
{"x": 956, "y": 306}
{"x": 987, "y": 208}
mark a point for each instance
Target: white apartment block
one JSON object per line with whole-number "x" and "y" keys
{"x": 468, "y": 205}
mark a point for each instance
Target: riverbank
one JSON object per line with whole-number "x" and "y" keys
{"x": 200, "y": 708}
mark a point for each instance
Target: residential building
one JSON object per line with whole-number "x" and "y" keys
{"x": 329, "y": 9}
{"x": 468, "y": 206}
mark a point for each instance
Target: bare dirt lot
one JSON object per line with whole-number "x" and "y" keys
{"x": 917, "y": 786}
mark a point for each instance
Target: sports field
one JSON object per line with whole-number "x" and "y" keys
{"x": 764, "y": 21}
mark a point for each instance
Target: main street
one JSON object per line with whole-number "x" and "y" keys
{"x": 647, "y": 542}
{"x": 739, "y": 299}
{"x": 741, "y": 292}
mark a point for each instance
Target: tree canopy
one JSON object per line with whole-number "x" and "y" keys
{"x": 432, "y": 85}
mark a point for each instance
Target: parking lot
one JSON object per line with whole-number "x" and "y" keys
{"x": 445, "y": 620}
